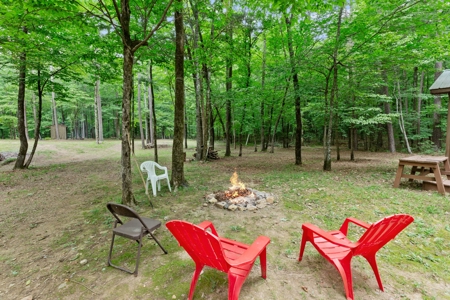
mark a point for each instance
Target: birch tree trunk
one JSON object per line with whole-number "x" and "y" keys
{"x": 98, "y": 114}
{"x": 401, "y": 122}
{"x": 327, "y": 161}
{"x": 83, "y": 129}
{"x": 387, "y": 110}
{"x": 55, "y": 116}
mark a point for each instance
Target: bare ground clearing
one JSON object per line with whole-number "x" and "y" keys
{"x": 53, "y": 216}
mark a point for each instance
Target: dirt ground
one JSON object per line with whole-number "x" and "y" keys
{"x": 45, "y": 232}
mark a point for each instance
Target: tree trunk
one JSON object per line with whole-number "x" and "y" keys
{"x": 198, "y": 112}
{"x": 387, "y": 110}
{"x": 141, "y": 128}
{"x": 19, "y": 164}
{"x": 401, "y": 122}
{"x": 185, "y": 127}
{"x": 25, "y": 123}
{"x": 151, "y": 102}
{"x": 55, "y": 116}
{"x": 207, "y": 113}
{"x": 263, "y": 77}
{"x": 83, "y": 127}
{"x": 437, "y": 132}
{"x": 127, "y": 192}
{"x": 37, "y": 127}
{"x": 298, "y": 113}
{"x": 228, "y": 84}
{"x": 177, "y": 149}
{"x": 327, "y": 161}
{"x": 153, "y": 123}
{"x": 98, "y": 114}
{"x": 419, "y": 106}
{"x": 279, "y": 117}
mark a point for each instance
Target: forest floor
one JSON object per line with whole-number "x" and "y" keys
{"x": 55, "y": 231}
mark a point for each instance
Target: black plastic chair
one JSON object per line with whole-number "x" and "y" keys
{"x": 136, "y": 228}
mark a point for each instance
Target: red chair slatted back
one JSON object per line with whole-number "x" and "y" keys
{"x": 381, "y": 232}
{"x": 202, "y": 246}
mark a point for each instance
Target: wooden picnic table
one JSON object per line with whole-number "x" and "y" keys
{"x": 424, "y": 165}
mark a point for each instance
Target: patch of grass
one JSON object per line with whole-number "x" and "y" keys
{"x": 8, "y": 161}
{"x": 173, "y": 278}
{"x": 236, "y": 228}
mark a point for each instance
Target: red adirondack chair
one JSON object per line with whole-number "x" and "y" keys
{"x": 208, "y": 249}
{"x": 339, "y": 250}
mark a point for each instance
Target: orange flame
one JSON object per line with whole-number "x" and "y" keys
{"x": 236, "y": 183}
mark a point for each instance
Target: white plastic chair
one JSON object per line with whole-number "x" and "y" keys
{"x": 149, "y": 168}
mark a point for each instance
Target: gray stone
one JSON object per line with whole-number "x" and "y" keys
{"x": 261, "y": 201}
{"x": 261, "y": 205}
{"x": 270, "y": 199}
{"x": 220, "y": 204}
{"x": 251, "y": 207}
{"x": 232, "y": 207}
{"x": 210, "y": 196}
{"x": 238, "y": 200}
{"x": 242, "y": 208}
{"x": 212, "y": 200}
{"x": 83, "y": 262}
{"x": 62, "y": 285}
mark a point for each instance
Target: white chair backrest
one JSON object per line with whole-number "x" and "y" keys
{"x": 149, "y": 167}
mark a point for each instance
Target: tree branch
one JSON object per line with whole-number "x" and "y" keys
{"x": 163, "y": 17}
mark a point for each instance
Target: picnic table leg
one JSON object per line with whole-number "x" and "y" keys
{"x": 413, "y": 172}
{"x": 439, "y": 182}
{"x": 398, "y": 177}
{"x": 447, "y": 168}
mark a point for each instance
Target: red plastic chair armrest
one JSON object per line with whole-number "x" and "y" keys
{"x": 208, "y": 224}
{"x": 344, "y": 227}
{"x": 252, "y": 252}
{"x": 326, "y": 235}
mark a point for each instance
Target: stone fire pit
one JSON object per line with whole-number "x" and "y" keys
{"x": 238, "y": 197}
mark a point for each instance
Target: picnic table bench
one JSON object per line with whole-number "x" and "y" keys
{"x": 425, "y": 165}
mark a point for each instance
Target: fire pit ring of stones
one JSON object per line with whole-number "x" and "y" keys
{"x": 248, "y": 199}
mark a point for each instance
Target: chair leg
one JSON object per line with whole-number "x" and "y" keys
{"x": 154, "y": 188}
{"x": 263, "y": 262}
{"x": 146, "y": 187}
{"x": 344, "y": 268}
{"x": 159, "y": 185}
{"x": 119, "y": 267}
{"x": 135, "y": 273}
{"x": 235, "y": 283}
{"x": 302, "y": 246}
{"x": 110, "y": 249}
{"x": 373, "y": 263}
{"x": 198, "y": 270}
{"x": 160, "y": 246}
{"x": 168, "y": 184}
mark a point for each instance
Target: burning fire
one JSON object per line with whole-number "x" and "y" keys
{"x": 236, "y": 183}
{"x": 237, "y": 189}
